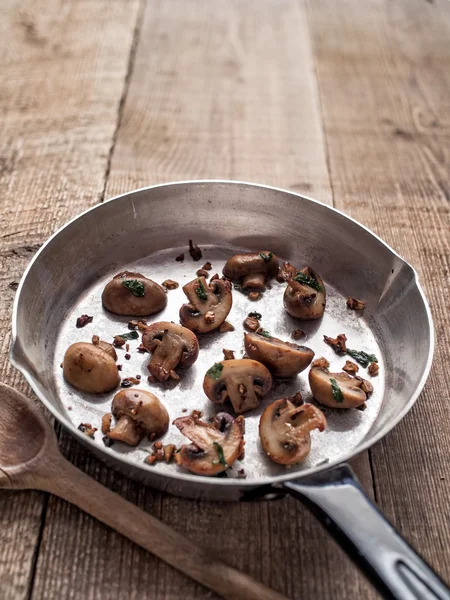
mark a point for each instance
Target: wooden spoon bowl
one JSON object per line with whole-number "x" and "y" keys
{"x": 30, "y": 459}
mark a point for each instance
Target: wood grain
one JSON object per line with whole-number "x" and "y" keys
{"x": 201, "y": 104}
{"x": 62, "y": 76}
{"x": 384, "y": 87}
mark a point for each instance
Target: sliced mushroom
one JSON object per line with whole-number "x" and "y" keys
{"x": 284, "y": 430}
{"x": 337, "y": 390}
{"x": 90, "y": 368}
{"x": 138, "y": 413}
{"x": 242, "y": 381}
{"x": 251, "y": 270}
{"x": 305, "y": 295}
{"x": 209, "y": 304}
{"x": 283, "y": 359}
{"x": 172, "y": 345}
{"x": 215, "y": 446}
{"x": 130, "y": 293}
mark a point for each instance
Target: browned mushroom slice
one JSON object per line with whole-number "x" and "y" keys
{"x": 133, "y": 294}
{"x": 138, "y": 413}
{"x": 242, "y": 381}
{"x": 305, "y": 295}
{"x": 90, "y": 368}
{"x": 251, "y": 270}
{"x": 285, "y": 429}
{"x": 215, "y": 446}
{"x": 337, "y": 390}
{"x": 209, "y": 304}
{"x": 283, "y": 359}
{"x": 172, "y": 345}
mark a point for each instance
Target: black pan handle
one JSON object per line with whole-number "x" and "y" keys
{"x": 336, "y": 498}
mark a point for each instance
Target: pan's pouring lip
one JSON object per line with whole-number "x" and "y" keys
{"x": 241, "y": 483}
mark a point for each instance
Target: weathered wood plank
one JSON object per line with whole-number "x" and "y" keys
{"x": 217, "y": 90}
{"x": 62, "y": 77}
{"x": 384, "y": 84}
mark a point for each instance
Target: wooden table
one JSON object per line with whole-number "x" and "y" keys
{"x": 345, "y": 101}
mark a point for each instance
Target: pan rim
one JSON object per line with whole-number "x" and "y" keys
{"x": 197, "y": 479}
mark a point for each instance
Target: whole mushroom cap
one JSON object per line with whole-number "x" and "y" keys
{"x": 90, "y": 368}
{"x": 139, "y": 296}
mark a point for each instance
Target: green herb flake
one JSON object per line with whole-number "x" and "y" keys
{"x": 255, "y": 315}
{"x": 310, "y": 281}
{"x": 215, "y": 371}
{"x": 129, "y": 335}
{"x": 337, "y": 394}
{"x": 200, "y": 290}
{"x": 221, "y": 460}
{"x": 136, "y": 287}
{"x": 264, "y": 333}
{"x": 266, "y": 257}
{"x": 362, "y": 357}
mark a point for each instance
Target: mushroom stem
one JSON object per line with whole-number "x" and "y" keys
{"x": 166, "y": 356}
{"x": 254, "y": 281}
{"x": 241, "y": 391}
{"x": 126, "y": 430}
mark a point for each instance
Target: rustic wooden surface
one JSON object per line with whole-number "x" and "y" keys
{"x": 346, "y": 102}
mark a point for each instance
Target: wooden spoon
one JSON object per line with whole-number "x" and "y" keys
{"x": 30, "y": 459}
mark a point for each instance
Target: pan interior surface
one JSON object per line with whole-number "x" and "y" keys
{"x": 145, "y": 231}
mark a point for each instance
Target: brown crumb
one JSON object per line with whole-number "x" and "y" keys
{"x": 253, "y": 296}
{"x": 150, "y": 459}
{"x": 207, "y": 266}
{"x": 194, "y": 251}
{"x": 127, "y": 347}
{"x": 159, "y": 454}
{"x": 209, "y": 317}
{"x": 202, "y": 273}
{"x": 95, "y": 340}
{"x": 69, "y": 408}
{"x": 251, "y": 324}
{"x": 152, "y": 379}
{"x": 83, "y": 321}
{"x": 157, "y": 445}
{"x": 106, "y": 423}
{"x": 296, "y": 399}
{"x": 196, "y": 414}
{"x": 170, "y": 284}
{"x": 373, "y": 369}
{"x": 338, "y": 343}
{"x": 355, "y": 304}
{"x": 286, "y": 272}
{"x": 142, "y": 348}
{"x": 241, "y": 474}
{"x": 119, "y": 367}
{"x": 142, "y": 325}
{"x": 134, "y": 381}
{"x": 138, "y": 377}
{"x": 180, "y": 257}
{"x": 226, "y": 327}
{"x": 228, "y": 354}
{"x": 366, "y": 386}
{"x": 127, "y": 356}
{"x": 118, "y": 341}
{"x": 169, "y": 449}
{"x": 320, "y": 363}
{"x": 126, "y": 382}
{"x": 214, "y": 277}
{"x": 183, "y": 410}
{"x": 297, "y": 334}
{"x": 132, "y": 324}
{"x": 350, "y": 367}
{"x": 87, "y": 429}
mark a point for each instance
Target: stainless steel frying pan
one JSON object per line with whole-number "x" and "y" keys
{"x": 144, "y": 231}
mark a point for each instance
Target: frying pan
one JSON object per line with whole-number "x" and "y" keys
{"x": 145, "y": 230}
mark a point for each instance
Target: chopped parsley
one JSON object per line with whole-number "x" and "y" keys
{"x": 362, "y": 357}
{"x": 129, "y": 335}
{"x": 264, "y": 333}
{"x": 215, "y": 371}
{"x": 200, "y": 290}
{"x": 337, "y": 394}
{"x": 255, "y": 315}
{"x": 266, "y": 257}
{"x": 221, "y": 460}
{"x": 310, "y": 281}
{"x": 136, "y": 287}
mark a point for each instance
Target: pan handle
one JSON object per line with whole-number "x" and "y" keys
{"x": 336, "y": 498}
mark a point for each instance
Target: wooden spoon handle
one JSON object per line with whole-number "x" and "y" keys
{"x": 76, "y": 487}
